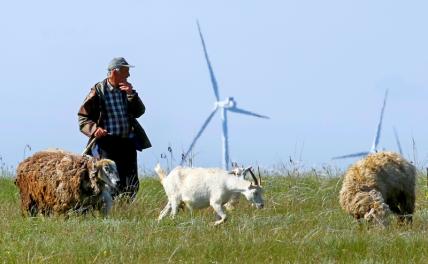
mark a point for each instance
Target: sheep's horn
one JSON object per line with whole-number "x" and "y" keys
{"x": 254, "y": 178}
{"x": 260, "y": 177}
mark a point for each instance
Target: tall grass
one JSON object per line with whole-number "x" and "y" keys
{"x": 6, "y": 170}
{"x": 302, "y": 223}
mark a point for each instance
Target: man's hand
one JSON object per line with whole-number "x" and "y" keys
{"x": 126, "y": 87}
{"x": 100, "y": 132}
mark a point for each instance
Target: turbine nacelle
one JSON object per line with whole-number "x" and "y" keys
{"x": 229, "y": 102}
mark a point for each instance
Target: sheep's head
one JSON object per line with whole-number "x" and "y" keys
{"x": 254, "y": 194}
{"x": 379, "y": 210}
{"x": 104, "y": 173}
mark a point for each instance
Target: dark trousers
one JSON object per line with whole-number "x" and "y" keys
{"x": 122, "y": 151}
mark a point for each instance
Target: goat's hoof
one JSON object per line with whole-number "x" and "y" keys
{"x": 216, "y": 223}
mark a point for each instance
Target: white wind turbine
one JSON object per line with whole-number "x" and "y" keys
{"x": 375, "y": 144}
{"x": 225, "y": 106}
{"x": 397, "y": 141}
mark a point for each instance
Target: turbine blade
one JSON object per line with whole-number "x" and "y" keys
{"x": 207, "y": 121}
{"x": 210, "y": 68}
{"x": 398, "y": 142}
{"x": 355, "y": 155}
{"x": 245, "y": 112}
{"x": 379, "y": 126}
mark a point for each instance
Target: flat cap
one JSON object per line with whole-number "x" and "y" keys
{"x": 118, "y": 62}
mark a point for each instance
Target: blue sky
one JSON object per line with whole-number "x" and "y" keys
{"x": 319, "y": 69}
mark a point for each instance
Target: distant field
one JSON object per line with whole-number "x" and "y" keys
{"x": 302, "y": 223}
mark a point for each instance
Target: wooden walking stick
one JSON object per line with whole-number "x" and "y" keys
{"x": 89, "y": 146}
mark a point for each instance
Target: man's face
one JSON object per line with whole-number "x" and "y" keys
{"x": 122, "y": 74}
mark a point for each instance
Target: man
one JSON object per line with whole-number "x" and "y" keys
{"x": 108, "y": 117}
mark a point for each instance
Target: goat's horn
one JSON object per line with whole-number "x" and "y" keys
{"x": 254, "y": 177}
{"x": 260, "y": 177}
{"x": 245, "y": 170}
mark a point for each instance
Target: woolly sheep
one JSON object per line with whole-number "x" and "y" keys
{"x": 377, "y": 185}
{"x": 56, "y": 182}
{"x": 199, "y": 188}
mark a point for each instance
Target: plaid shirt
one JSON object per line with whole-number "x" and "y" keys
{"x": 116, "y": 121}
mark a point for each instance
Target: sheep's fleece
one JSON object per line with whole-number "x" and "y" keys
{"x": 378, "y": 184}
{"x": 55, "y": 182}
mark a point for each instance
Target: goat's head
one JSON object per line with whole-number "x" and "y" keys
{"x": 104, "y": 173}
{"x": 254, "y": 194}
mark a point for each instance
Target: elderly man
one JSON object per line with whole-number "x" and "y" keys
{"x": 108, "y": 117}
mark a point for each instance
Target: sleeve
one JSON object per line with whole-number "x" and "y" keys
{"x": 88, "y": 114}
{"x": 136, "y": 108}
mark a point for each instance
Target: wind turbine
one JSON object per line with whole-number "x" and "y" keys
{"x": 375, "y": 144}
{"x": 397, "y": 140}
{"x": 225, "y": 106}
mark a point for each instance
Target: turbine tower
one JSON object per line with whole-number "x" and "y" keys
{"x": 375, "y": 144}
{"x": 225, "y": 106}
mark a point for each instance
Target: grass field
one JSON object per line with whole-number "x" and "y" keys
{"x": 301, "y": 223}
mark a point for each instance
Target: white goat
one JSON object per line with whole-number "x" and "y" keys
{"x": 200, "y": 187}
{"x": 234, "y": 199}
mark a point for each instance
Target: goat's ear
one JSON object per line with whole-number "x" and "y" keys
{"x": 235, "y": 171}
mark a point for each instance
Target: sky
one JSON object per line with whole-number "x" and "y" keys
{"x": 318, "y": 69}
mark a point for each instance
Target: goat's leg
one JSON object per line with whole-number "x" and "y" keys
{"x": 165, "y": 211}
{"x": 230, "y": 205}
{"x": 218, "y": 208}
{"x": 175, "y": 205}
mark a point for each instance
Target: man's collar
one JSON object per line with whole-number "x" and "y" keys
{"x": 109, "y": 86}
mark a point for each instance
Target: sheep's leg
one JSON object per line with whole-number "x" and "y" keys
{"x": 165, "y": 211}
{"x": 32, "y": 208}
{"x": 398, "y": 212}
{"x": 394, "y": 208}
{"x": 218, "y": 208}
{"x": 106, "y": 203}
{"x": 407, "y": 206}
